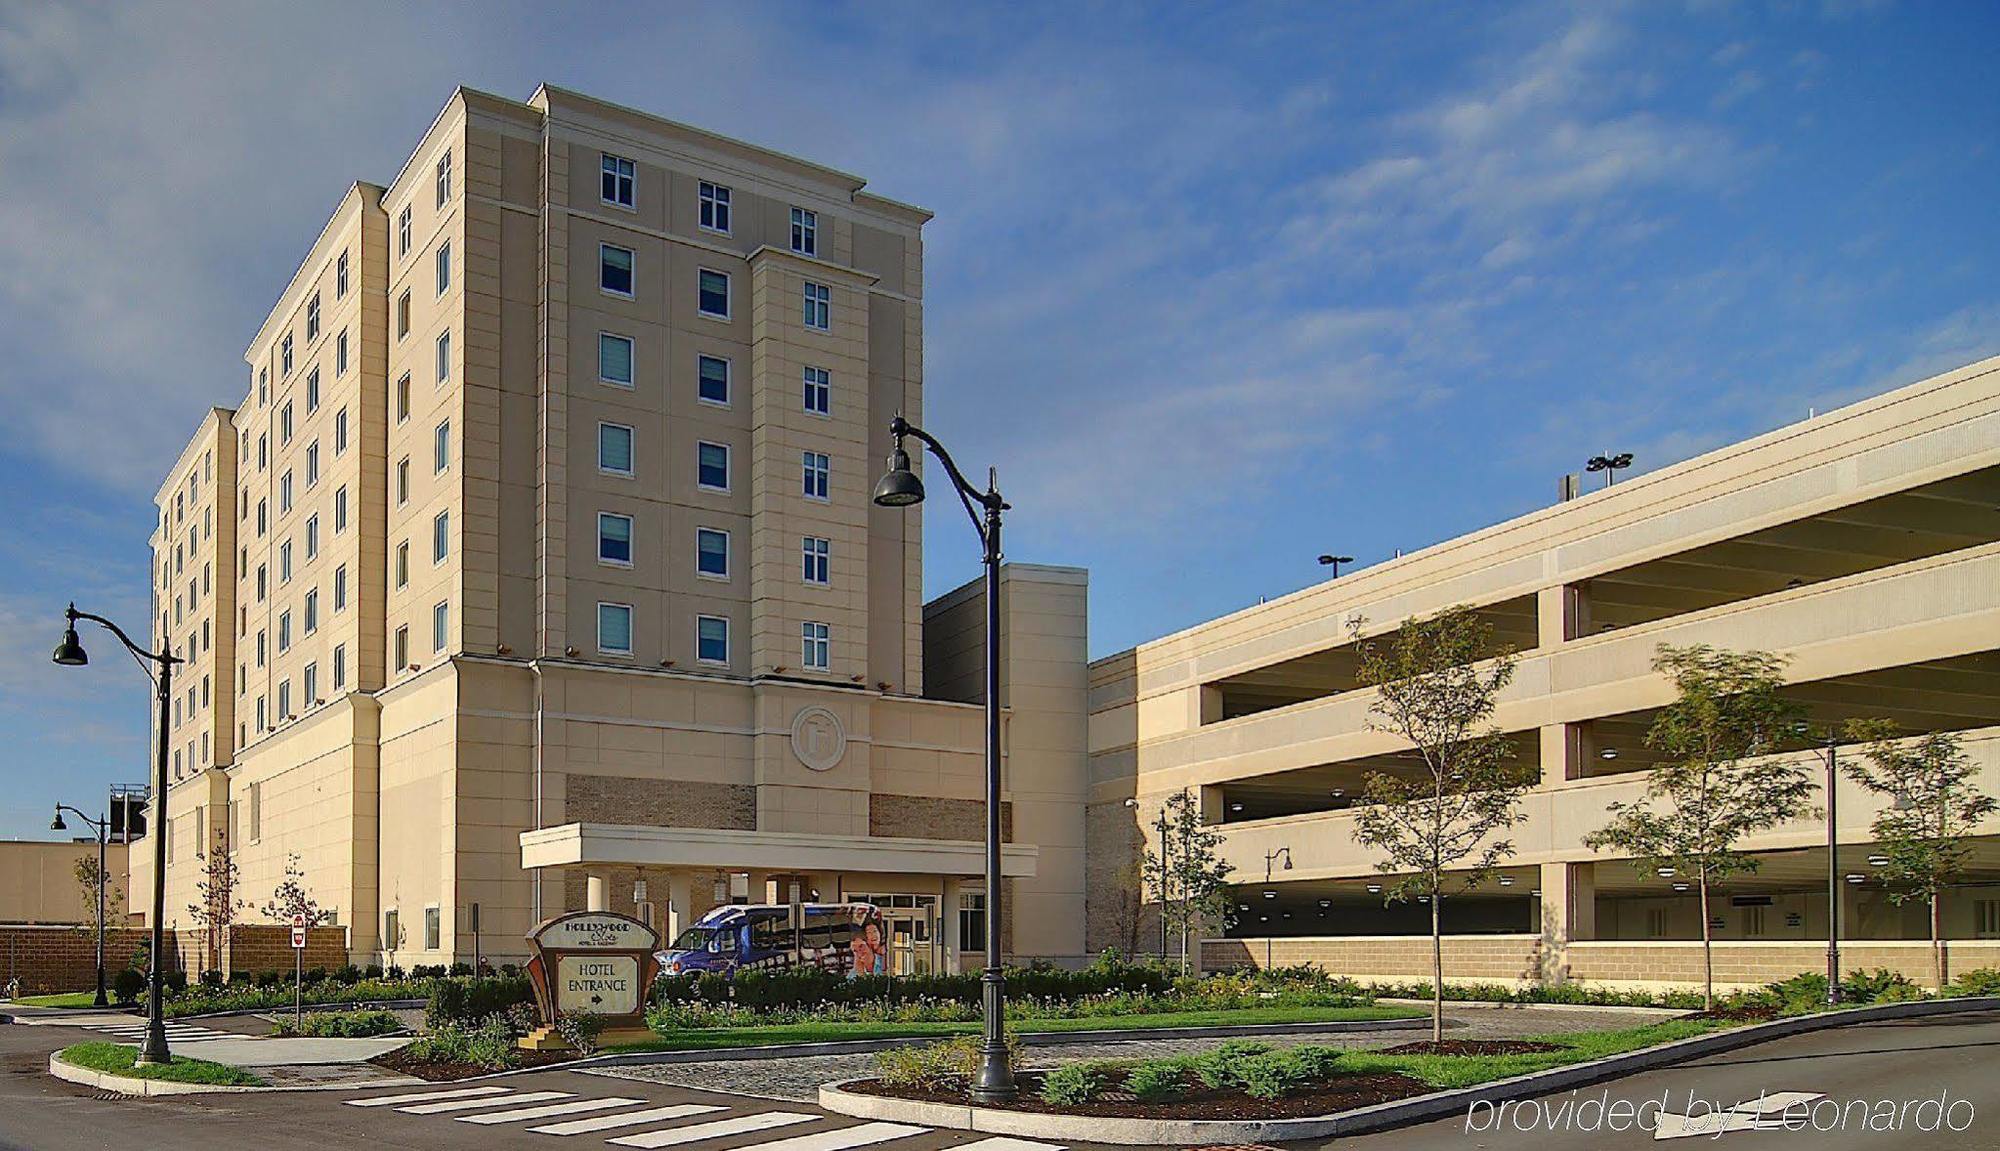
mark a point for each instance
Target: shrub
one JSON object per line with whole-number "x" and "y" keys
{"x": 372, "y": 971}
{"x": 211, "y": 979}
{"x": 269, "y": 978}
{"x": 1073, "y": 1083}
{"x": 489, "y": 1044}
{"x": 315, "y": 975}
{"x": 175, "y": 982}
{"x": 1878, "y": 986}
{"x": 1158, "y": 1080}
{"x": 1272, "y": 1075}
{"x": 580, "y": 1030}
{"x": 468, "y": 1001}
{"x": 341, "y": 1024}
{"x": 947, "y": 1067}
{"x": 128, "y": 984}
{"x": 1978, "y": 981}
{"x": 1217, "y": 1069}
{"x": 347, "y": 973}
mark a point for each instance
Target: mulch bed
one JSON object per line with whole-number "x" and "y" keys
{"x": 1341, "y": 1093}
{"x": 1471, "y": 1047}
{"x": 446, "y": 1072}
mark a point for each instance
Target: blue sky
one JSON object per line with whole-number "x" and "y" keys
{"x": 1216, "y": 288}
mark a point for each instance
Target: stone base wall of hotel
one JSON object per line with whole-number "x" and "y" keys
{"x": 1678, "y": 963}
{"x": 1388, "y": 958}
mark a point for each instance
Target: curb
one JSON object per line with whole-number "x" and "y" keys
{"x": 1503, "y": 1005}
{"x": 127, "y": 1085}
{"x": 1381, "y": 1116}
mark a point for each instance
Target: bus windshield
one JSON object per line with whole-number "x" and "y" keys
{"x": 695, "y": 939}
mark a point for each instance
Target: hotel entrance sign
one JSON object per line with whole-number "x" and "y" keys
{"x": 592, "y": 963}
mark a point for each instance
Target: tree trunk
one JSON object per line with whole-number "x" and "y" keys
{"x": 1707, "y": 951}
{"x": 1937, "y": 942}
{"x": 1437, "y": 972}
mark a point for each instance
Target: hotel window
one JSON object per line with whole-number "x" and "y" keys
{"x": 339, "y": 666}
{"x": 263, "y": 386}
{"x": 263, "y": 451}
{"x": 403, "y": 314}
{"x": 614, "y": 539}
{"x": 403, "y": 398}
{"x": 403, "y": 231}
{"x": 263, "y": 643}
{"x": 713, "y": 299}
{"x": 285, "y": 425}
{"x": 713, "y": 385}
{"x": 340, "y": 277}
{"x": 805, "y": 232}
{"x": 441, "y": 537}
{"x": 312, "y": 611}
{"x": 285, "y": 493}
{"x": 312, "y": 391}
{"x": 444, "y": 268}
{"x": 312, "y": 318}
{"x": 263, "y": 717}
{"x": 614, "y": 359}
{"x": 285, "y": 355}
{"x": 312, "y": 535}
{"x": 711, "y": 553}
{"x": 711, "y": 639}
{"x": 263, "y": 516}
{"x": 312, "y": 463}
{"x": 816, "y": 470}
{"x": 816, "y": 316}
{"x": 1988, "y": 918}
{"x": 402, "y": 647}
{"x": 816, "y": 553}
{"x": 443, "y": 356}
{"x": 432, "y": 929}
{"x": 440, "y": 624}
{"x": 614, "y": 270}
{"x": 819, "y": 392}
{"x": 285, "y": 698}
{"x": 340, "y": 431}
{"x": 262, "y": 581}
{"x": 402, "y": 481}
{"x": 614, "y": 449}
{"x": 712, "y": 466}
{"x": 403, "y": 564}
{"x": 620, "y": 175}
{"x": 444, "y": 178}
{"x": 285, "y": 563}
{"x": 340, "y": 509}
{"x": 614, "y": 628}
{"x": 284, "y": 633}
{"x": 441, "y": 447}
{"x": 971, "y": 922}
{"x": 714, "y": 207}
{"x": 340, "y": 353}
{"x": 815, "y": 648}
{"x": 340, "y": 588}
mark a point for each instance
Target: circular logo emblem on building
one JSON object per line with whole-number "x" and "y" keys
{"x": 817, "y": 738}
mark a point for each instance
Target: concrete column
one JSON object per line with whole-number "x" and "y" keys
{"x": 1209, "y": 704}
{"x": 680, "y": 904}
{"x": 1568, "y": 749}
{"x": 597, "y": 895}
{"x": 1211, "y": 803}
{"x": 954, "y": 947}
{"x": 1562, "y": 613}
{"x": 1569, "y": 912}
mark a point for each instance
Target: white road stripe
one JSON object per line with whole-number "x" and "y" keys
{"x": 1003, "y": 1143}
{"x": 420, "y": 1096}
{"x": 861, "y": 1136}
{"x": 548, "y": 1109}
{"x": 629, "y": 1119}
{"x": 469, "y": 1104}
{"x": 740, "y": 1125}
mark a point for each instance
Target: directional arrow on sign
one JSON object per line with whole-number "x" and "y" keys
{"x": 1764, "y": 1113}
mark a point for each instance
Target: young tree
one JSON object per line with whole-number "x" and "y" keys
{"x": 1935, "y": 805}
{"x": 216, "y": 903}
{"x": 92, "y": 878}
{"x": 1436, "y": 679}
{"x": 1188, "y": 875}
{"x": 1705, "y": 797}
{"x": 292, "y": 897}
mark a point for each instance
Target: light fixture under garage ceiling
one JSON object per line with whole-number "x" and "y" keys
{"x": 1878, "y": 861}
{"x": 1325, "y": 903}
{"x": 1607, "y": 753}
{"x": 1506, "y": 881}
{"x": 1856, "y": 877}
{"x": 1269, "y": 894}
{"x": 1680, "y": 887}
{"x": 1374, "y": 889}
{"x": 1236, "y": 807}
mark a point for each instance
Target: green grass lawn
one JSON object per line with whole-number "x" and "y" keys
{"x": 66, "y": 999}
{"x": 117, "y": 1059}
{"x": 1578, "y": 1047}
{"x": 712, "y": 1038}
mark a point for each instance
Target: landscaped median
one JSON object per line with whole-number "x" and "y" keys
{"x": 1250, "y": 1093}
{"x": 113, "y": 1066}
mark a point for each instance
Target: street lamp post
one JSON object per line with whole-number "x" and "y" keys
{"x": 103, "y": 828}
{"x": 1271, "y": 857}
{"x": 1330, "y": 560}
{"x": 1832, "y": 883}
{"x": 70, "y": 653}
{"x": 1610, "y": 465}
{"x": 900, "y": 487}
{"x": 1166, "y": 862}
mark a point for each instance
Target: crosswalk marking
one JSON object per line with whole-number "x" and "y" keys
{"x": 1004, "y": 1143}
{"x": 863, "y": 1135}
{"x": 469, "y": 1104}
{"x": 420, "y": 1096}
{"x": 546, "y": 1110}
{"x": 628, "y": 1119}
{"x": 740, "y": 1125}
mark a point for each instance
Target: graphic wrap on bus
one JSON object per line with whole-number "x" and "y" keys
{"x": 848, "y": 938}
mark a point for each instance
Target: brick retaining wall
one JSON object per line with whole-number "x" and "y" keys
{"x": 54, "y": 958}
{"x": 1488, "y": 958}
{"x": 1737, "y": 964}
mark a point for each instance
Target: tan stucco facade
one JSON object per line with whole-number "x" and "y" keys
{"x": 39, "y": 884}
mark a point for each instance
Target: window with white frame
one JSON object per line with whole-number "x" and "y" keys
{"x": 402, "y": 481}
{"x": 285, "y": 355}
{"x": 444, "y": 178}
{"x": 312, "y": 611}
{"x": 805, "y": 232}
{"x": 340, "y": 277}
{"x": 403, "y": 231}
{"x": 403, "y": 314}
{"x": 340, "y": 589}
{"x": 401, "y": 647}
{"x": 816, "y": 560}
{"x": 620, "y": 178}
{"x": 712, "y": 380}
{"x": 403, "y": 564}
{"x": 816, "y": 471}
{"x": 340, "y": 509}
{"x": 712, "y": 299}
{"x": 614, "y": 539}
{"x": 712, "y": 466}
{"x": 285, "y": 425}
{"x": 441, "y": 536}
{"x": 614, "y": 270}
{"x": 614, "y": 359}
{"x": 444, "y": 356}
{"x": 284, "y": 699}
{"x": 818, "y": 392}
{"x": 312, "y": 464}
{"x": 284, "y": 563}
{"x": 312, "y": 390}
{"x": 711, "y": 639}
{"x": 815, "y": 648}
{"x": 817, "y": 299}
{"x": 312, "y": 535}
{"x": 614, "y": 449}
{"x": 340, "y": 432}
{"x": 614, "y": 628}
{"x": 440, "y": 624}
{"x": 284, "y": 631}
{"x": 714, "y": 207}
{"x": 441, "y": 448}
{"x": 711, "y": 553}
{"x": 340, "y": 353}
{"x": 403, "y": 398}
{"x": 312, "y": 318}
{"x": 285, "y": 492}
{"x": 339, "y": 666}
{"x": 444, "y": 268}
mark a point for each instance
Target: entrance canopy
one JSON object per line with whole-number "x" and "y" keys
{"x": 701, "y": 847}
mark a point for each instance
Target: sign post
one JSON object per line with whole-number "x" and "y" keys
{"x": 298, "y": 968}
{"x": 592, "y": 962}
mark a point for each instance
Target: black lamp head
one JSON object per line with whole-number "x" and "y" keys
{"x": 70, "y": 653}
{"x": 1334, "y": 559}
{"x": 899, "y": 487}
{"x": 57, "y": 824}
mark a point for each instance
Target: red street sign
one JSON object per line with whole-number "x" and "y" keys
{"x": 298, "y": 919}
{"x": 298, "y": 939}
